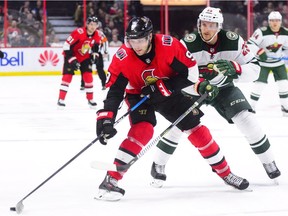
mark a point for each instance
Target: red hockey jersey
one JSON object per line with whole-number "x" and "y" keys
{"x": 79, "y": 44}
{"x": 141, "y": 74}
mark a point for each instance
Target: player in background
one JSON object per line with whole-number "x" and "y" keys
{"x": 99, "y": 60}
{"x": 79, "y": 48}
{"x": 156, "y": 65}
{"x": 223, "y": 57}
{"x": 269, "y": 44}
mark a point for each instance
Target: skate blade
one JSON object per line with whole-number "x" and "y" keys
{"x": 108, "y": 196}
{"x": 275, "y": 181}
{"x": 60, "y": 107}
{"x": 157, "y": 183}
{"x": 93, "y": 107}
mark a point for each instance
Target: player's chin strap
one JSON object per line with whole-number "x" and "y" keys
{"x": 114, "y": 167}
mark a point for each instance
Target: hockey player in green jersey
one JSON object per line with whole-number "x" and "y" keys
{"x": 269, "y": 44}
{"x": 223, "y": 57}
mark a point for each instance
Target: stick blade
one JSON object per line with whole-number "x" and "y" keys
{"x": 103, "y": 166}
{"x": 18, "y": 208}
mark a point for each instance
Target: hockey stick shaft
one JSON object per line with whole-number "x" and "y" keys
{"x": 19, "y": 206}
{"x": 114, "y": 167}
{"x": 280, "y": 58}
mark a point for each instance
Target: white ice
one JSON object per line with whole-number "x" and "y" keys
{"x": 36, "y": 139}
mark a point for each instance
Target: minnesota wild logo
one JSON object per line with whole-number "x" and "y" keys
{"x": 274, "y": 47}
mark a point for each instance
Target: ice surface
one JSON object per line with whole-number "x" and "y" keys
{"x": 37, "y": 139}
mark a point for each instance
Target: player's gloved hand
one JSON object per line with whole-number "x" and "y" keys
{"x": 1, "y": 54}
{"x": 157, "y": 92}
{"x": 75, "y": 65}
{"x": 228, "y": 68}
{"x": 262, "y": 55}
{"x": 105, "y": 125}
{"x": 203, "y": 87}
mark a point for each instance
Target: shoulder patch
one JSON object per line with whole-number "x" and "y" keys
{"x": 167, "y": 40}
{"x": 190, "y": 38}
{"x": 264, "y": 28}
{"x": 232, "y": 35}
{"x": 80, "y": 30}
{"x": 121, "y": 54}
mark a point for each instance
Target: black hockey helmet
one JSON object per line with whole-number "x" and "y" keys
{"x": 139, "y": 27}
{"x": 92, "y": 19}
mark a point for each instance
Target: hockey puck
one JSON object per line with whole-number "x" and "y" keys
{"x": 12, "y": 209}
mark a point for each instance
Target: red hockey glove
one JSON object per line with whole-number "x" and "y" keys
{"x": 228, "y": 68}
{"x": 105, "y": 125}
{"x": 158, "y": 92}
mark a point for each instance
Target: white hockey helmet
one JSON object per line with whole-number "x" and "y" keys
{"x": 210, "y": 14}
{"x": 275, "y": 15}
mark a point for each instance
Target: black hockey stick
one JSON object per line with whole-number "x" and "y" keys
{"x": 114, "y": 167}
{"x": 19, "y": 206}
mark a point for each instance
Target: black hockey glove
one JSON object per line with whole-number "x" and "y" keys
{"x": 158, "y": 92}
{"x": 228, "y": 68}
{"x": 1, "y": 54}
{"x": 262, "y": 56}
{"x": 105, "y": 125}
{"x": 205, "y": 87}
{"x": 74, "y": 64}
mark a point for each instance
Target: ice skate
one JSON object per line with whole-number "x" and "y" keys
{"x": 61, "y": 104}
{"x": 82, "y": 88}
{"x": 158, "y": 175}
{"x": 92, "y": 104}
{"x": 103, "y": 88}
{"x": 284, "y": 111}
{"x": 272, "y": 170}
{"x": 236, "y": 181}
{"x": 109, "y": 190}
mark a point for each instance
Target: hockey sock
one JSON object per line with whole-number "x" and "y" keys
{"x": 66, "y": 80}
{"x": 166, "y": 146}
{"x": 249, "y": 126}
{"x": 283, "y": 92}
{"x": 256, "y": 93}
{"x": 201, "y": 138}
{"x": 88, "y": 82}
{"x": 138, "y": 136}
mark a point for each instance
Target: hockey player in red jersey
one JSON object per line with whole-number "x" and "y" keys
{"x": 79, "y": 49}
{"x": 156, "y": 65}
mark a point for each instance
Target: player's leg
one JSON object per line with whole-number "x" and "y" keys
{"x": 65, "y": 82}
{"x": 100, "y": 71}
{"x": 258, "y": 87}
{"x": 88, "y": 82}
{"x": 139, "y": 135}
{"x": 200, "y": 136}
{"x": 280, "y": 76}
{"x": 165, "y": 149}
{"x": 240, "y": 114}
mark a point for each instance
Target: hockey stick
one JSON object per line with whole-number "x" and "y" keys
{"x": 285, "y": 58}
{"x": 19, "y": 206}
{"x": 114, "y": 167}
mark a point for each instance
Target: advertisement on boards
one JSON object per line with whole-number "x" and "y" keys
{"x": 36, "y": 61}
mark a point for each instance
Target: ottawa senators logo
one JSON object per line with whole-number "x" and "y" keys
{"x": 148, "y": 77}
{"x": 85, "y": 48}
